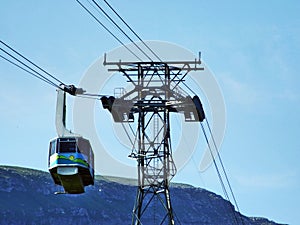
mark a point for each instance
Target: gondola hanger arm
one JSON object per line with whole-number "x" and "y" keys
{"x": 60, "y": 122}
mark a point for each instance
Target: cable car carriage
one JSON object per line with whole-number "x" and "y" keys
{"x": 71, "y": 158}
{"x": 71, "y": 163}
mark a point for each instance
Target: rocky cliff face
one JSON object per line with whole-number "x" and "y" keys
{"x": 27, "y": 197}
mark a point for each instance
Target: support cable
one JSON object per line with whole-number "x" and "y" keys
{"x": 218, "y": 172}
{"x": 31, "y": 73}
{"x": 53, "y": 77}
{"x": 17, "y": 59}
{"x": 176, "y": 217}
{"x": 92, "y": 96}
{"x": 120, "y": 29}
{"x": 127, "y": 25}
{"x": 189, "y": 88}
{"x": 127, "y": 134}
{"x": 10, "y": 58}
{"x": 223, "y": 169}
{"x": 114, "y": 36}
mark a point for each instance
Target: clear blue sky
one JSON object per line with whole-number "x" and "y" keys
{"x": 251, "y": 46}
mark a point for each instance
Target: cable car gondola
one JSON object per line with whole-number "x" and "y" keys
{"x": 71, "y": 158}
{"x": 71, "y": 163}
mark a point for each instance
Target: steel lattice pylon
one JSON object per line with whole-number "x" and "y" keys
{"x": 155, "y": 95}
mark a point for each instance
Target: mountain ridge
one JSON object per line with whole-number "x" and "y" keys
{"x": 27, "y": 198}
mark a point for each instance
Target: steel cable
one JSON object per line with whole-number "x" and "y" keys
{"x": 114, "y": 36}
{"x": 218, "y": 171}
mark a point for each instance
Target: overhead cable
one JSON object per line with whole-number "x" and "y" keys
{"x": 33, "y": 74}
{"x": 17, "y": 59}
{"x": 218, "y": 172}
{"x": 106, "y": 28}
{"x": 223, "y": 169}
{"x": 127, "y": 25}
{"x": 53, "y": 77}
{"x": 120, "y": 29}
{"x": 31, "y": 68}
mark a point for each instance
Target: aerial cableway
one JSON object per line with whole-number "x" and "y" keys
{"x": 71, "y": 158}
{"x": 157, "y": 92}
